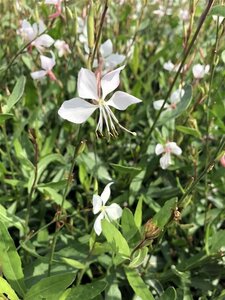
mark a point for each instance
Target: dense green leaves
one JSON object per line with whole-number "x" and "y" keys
{"x": 11, "y": 262}
{"x": 88, "y": 291}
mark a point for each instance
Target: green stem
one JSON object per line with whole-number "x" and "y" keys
{"x": 201, "y": 22}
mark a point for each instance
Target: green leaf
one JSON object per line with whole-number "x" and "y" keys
{"x": 169, "y": 294}
{"x": 138, "y": 213}
{"x": 217, "y": 241}
{"x": 129, "y": 227}
{"x": 126, "y": 169}
{"x": 138, "y": 284}
{"x": 50, "y": 288}
{"x": 217, "y": 10}
{"x": 190, "y": 131}
{"x": 162, "y": 217}
{"x": 73, "y": 263}
{"x": 4, "y": 117}
{"x": 10, "y": 261}
{"x": 115, "y": 239}
{"x": 6, "y": 289}
{"x": 113, "y": 293}
{"x": 17, "y": 93}
{"x": 87, "y": 291}
{"x": 139, "y": 257}
{"x": 181, "y": 107}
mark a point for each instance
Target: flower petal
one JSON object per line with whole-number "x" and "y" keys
{"x": 174, "y": 148}
{"x": 114, "y": 60}
{"x": 158, "y": 104}
{"x": 110, "y": 81}
{"x": 38, "y": 74}
{"x": 87, "y": 84}
{"x": 114, "y": 211}
{"x": 106, "y": 193}
{"x": 159, "y": 149}
{"x": 165, "y": 161}
{"x": 97, "y": 224}
{"x": 44, "y": 40}
{"x": 41, "y": 27}
{"x": 76, "y": 110}
{"x": 106, "y": 48}
{"x": 177, "y": 96}
{"x": 47, "y": 63}
{"x": 121, "y": 100}
{"x": 97, "y": 204}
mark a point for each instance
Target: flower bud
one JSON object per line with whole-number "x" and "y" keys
{"x": 152, "y": 231}
{"x": 90, "y": 26}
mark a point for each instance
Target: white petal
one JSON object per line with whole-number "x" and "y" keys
{"x": 87, "y": 84}
{"x": 106, "y": 193}
{"x": 97, "y": 203}
{"x": 207, "y": 67}
{"x": 47, "y": 63}
{"x": 35, "y": 29}
{"x": 174, "y": 148}
{"x": 158, "y": 104}
{"x": 38, "y": 74}
{"x": 51, "y": 2}
{"x": 177, "y": 96}
{"x": 198, "y": 71}
{"x": 165, "y": 161}
{"x": 110, "y": 81}
{"x": 159, "y": 149}
{"x": 41, "y": 27}
{"x": 106, "y": 48}
{"x": 114, "y": 60}
{"x": 114, "y": 211}
{"x": 76, "y": 110}
{"x": 169, "y": 66}
{"x": 121, "y": 100}
{"x": 97, "y": 224}
{"x": 44, "y": 40}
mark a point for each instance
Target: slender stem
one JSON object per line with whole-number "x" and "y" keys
{"x": 30, "y": 196}
{"x": 99, "y": 32}
{"x": 201, "y": 22}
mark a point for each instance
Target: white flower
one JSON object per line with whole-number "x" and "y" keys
{"x": 77, "y": 110}
{"x": 199, "y": 71}
{"x": 47, "y": 64}
{"x": 184, "y": 14}
{"x": 162, "y": 11}
{"x": 168, "y": 149}
{"x": 62, "y": 47}
{"x": 169, "y": 66}
{"x": 174, "y": 99}
{"x": 34, "y": 35}
{"x": 111, "y": 212}
{"x": 219, "y": 18}
{"x": 111, "y": 59}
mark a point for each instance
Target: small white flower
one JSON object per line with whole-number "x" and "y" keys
{"x": 62, "y": 47}
{"x": 111, "y": 212}
{"x": 184, "y": 14}
{"x": 33, "y": 34}
{"x": 111, "y": 59}
{"x": 199, "y": 71}
{"x": 169, "y": 66}
{"x": 162, "y": 11}
{"x": 77, "y": 110}
{"x": 219, "y": 18}
{"x": 168, "y": 149}
{"x": 47, "y": 64}
{"x": 174, "y": 99}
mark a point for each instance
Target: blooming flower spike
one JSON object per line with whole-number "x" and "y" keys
{"x": 167, "y": 149}
{"x": 47, "y": 64}
{"x": 33, "y": 34}
{"x": 110, "y": 213}
{"x": 77, "y": 110}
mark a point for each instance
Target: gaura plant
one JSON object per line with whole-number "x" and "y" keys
{"x": 91, "y": 86}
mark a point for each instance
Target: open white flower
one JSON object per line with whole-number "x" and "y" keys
{"x": 111, "y": 59}
{"x": 168, "y": 149}
{"x": 169, "y": 66}
{"x": 33, "y": 34}
{"x": 62, "y": 47}
{"x": 47, "y": 64}
{"x": 162, "y": 11}
{"x": 199, "y": 71}
{"x": 174, "y": 99}
{"x": 77, "y": 110}
{"x": 111, "y": 212}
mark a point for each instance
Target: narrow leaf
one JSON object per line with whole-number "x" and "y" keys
{"x": 6, "y": 289}
{"x": 138, "y": 213}
{"x": 17, "y": 93}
